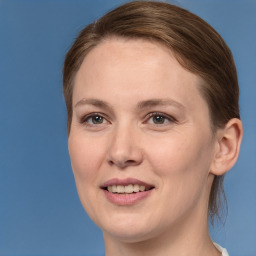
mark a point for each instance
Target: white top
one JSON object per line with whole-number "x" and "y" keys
{"x": 221, "y": 249}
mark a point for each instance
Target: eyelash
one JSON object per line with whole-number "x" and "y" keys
{"x": 159, "y": 114}
{"x": 84, "y": 119}
{"x": 170, "y": 119}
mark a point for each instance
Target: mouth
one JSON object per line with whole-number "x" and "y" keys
{"x": 127, "y": 189}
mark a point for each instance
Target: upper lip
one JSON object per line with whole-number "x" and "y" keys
{"x": 125, "y": 182}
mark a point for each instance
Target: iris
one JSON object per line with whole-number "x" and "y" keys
{"x": 97, "y": 119}
{"x": 158, "y": 119}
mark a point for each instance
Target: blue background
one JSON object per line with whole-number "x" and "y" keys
{"x": 40, "y": 213}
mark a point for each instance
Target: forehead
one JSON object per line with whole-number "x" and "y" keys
{"x": 140, "y": 53}
{"x": 128, "y": 67}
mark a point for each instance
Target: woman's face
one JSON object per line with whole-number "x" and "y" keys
{"x": 141, "y": 145}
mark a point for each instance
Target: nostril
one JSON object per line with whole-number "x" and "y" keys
{"x": 130, "y": 162}
{"x": 111, "y": 162}
{"x": 122, "y": 164}
{"x": 123, "y": 154}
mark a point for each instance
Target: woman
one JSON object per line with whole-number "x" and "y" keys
{"x": 153, "y": 123}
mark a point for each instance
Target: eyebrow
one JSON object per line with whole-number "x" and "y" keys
{"x": 159, "y": 102}
{"x": 141, "y": 105}
{"x": 95, "y": 102}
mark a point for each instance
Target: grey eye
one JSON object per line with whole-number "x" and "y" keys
{"x": 97, "y": 119}
{"x": 158, "y": 119}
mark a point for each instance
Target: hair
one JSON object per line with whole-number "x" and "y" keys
{"x": 196, "y": 46}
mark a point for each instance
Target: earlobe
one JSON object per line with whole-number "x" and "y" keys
{"x": 228, "y": 146}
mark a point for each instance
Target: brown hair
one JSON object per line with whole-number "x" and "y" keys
{"x": 196, "y": 45}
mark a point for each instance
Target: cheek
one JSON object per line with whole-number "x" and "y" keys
{"x": 86, "y": 158}
{"x": 182, "y": 161}
{"x": 184, "y": 149}
{"x": 182, "y": 166}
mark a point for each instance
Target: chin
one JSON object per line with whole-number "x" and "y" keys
{"x": 128, "y": 235}
{"x": 128, "y": 229}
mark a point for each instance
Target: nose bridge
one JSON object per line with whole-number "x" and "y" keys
{"x": 124, "y": 149}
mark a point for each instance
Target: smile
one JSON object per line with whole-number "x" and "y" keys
{"x": 120, "y": 189}
{"x": 126, "y": 191}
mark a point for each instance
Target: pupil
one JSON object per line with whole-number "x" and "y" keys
{"x": 159, "y": 119}
{"x": 97, "y": 119}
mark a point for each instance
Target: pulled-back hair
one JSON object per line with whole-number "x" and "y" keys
{"x": 196, "y": 46}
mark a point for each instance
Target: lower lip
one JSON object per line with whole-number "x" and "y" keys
{"x": 126, "y": 199}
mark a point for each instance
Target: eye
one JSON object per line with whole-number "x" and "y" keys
{"x": 160, "y": 118}
{"x": 93, "y": 119}
{"x": 96, "y": 120}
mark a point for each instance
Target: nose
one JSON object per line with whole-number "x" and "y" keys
{"x": 124, "y": 149}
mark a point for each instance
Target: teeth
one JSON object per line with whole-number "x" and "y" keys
{"x": 120, "y": 189}
{"x": 136, "y": 188}
{"x": 128, "y": 189}
{"x": 142, "y": 188}
{"x": 114, "y": 189}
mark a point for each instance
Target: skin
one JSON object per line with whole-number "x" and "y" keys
{"x": 178, "y": 156}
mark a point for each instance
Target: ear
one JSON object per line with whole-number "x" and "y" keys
{"x": 228, "y": 141}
